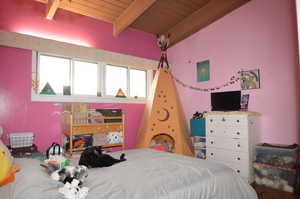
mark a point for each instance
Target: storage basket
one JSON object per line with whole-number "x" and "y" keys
{"x": 18, "y": 140}
{"x": 284, "y": 179}
{"x": 278, "y": 155}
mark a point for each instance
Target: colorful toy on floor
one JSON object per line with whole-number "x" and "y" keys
{"x": 73, "y": 191}
{"x": 7, "y": 169}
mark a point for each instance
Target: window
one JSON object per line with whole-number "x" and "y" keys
{"x": 137, "y": 83}
{"x": 88, "y": 81}
{"x": 85, "y": 78}
{"x": 115, "y": 79}
{"x": 55, "y": 71}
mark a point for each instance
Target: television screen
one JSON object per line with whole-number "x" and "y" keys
{"x": 226, "y": 101}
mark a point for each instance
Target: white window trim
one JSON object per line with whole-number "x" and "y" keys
{"x": 86, "y": 98}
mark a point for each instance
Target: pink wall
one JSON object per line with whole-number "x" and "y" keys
{"x": 29, "y": 17}
{"x": 17, "y": 112}
{"x": 260, "y": 35}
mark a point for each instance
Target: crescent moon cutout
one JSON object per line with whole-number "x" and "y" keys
{"x": 166, "y": 117}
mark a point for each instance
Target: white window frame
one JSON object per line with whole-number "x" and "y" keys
{"x": 36, "y": 97}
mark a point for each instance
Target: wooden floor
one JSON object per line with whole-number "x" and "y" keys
{"x": 267, "y": 193}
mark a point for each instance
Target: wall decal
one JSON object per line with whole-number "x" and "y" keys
{"x": 234, "y": 79}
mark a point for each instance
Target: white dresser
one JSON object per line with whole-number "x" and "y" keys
{"x": 231, "y": 139}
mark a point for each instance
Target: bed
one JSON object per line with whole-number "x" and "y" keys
{"x": 147, "y": 174}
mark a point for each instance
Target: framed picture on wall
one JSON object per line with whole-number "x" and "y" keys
{"x": 250, "y": 79}
{"x": 203, "y": 71}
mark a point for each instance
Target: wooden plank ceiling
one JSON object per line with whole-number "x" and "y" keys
{"x": 179, "y": 18}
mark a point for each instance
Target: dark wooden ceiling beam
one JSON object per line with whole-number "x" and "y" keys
{"x": 210, "y": 12}
{"x": 136, "y": 9}
{"x": 52, "y": 6}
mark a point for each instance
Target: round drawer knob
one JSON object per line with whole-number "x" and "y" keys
{"x": 211, "y": 154}
{"x": 238, "y": 133}
{"x": 238, "y": 158}
{"x": 238, "y": 145}
{"x": 211, "y": 120}
{"x": 238, "y": 121}
{"x": 223, "y": 119}
{"x": 238, "y": 171}
{"x": 211, "y": 142}
{"x": 211, "y": 131}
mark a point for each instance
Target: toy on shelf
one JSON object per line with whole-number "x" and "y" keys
{"x": 120, "y": 93}
{"x": 114, "y": 137}
{"x": 198, "y": 115}
{"x": 47, "y": 90}
{"x": 7, "y": 169}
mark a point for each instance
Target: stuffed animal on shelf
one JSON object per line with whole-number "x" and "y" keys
{"x": 114, "y": 138}
{"x": 73, "y": 191}
{"x": 7, "y": 169}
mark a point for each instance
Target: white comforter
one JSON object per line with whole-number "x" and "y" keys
{"x": 147, "y": 174}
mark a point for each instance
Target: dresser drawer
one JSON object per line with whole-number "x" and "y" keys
{"x": 229, "y": 144}
{"x": 226, "y": 132}
{"x": 216, "y": 131}
{"x": 230, "y": 157}
{"x": 240, "y": 121}
{"x": 241, "y": 169}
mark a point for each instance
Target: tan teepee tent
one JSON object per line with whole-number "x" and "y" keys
{"x": 164, "y": 116}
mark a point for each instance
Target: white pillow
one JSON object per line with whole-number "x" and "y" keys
{"x": 5, "y": 149}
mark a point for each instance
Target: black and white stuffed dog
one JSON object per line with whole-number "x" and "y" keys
{"x": 69, "y": 173}
{"x": 93, "y": 157}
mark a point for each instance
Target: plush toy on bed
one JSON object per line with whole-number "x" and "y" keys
{"x": 55, "y": 158}
{"x": 55, "y": 162}
{"x": 7, "y": 169}
{"x": 93, "y": 157}
{"x": 73, "y": 178}
{"x": 73, "y": 191}
{"x": 69, "y": 173}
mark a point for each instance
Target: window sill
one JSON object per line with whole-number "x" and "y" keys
{"x": 86, "y": 99}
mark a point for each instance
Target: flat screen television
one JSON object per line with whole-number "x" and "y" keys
{"x": 226, "y": 101}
